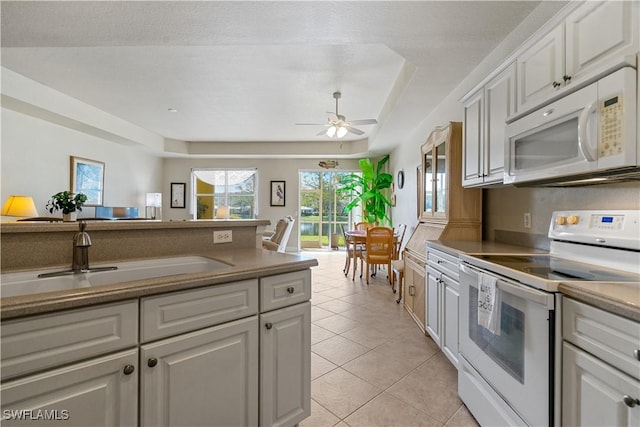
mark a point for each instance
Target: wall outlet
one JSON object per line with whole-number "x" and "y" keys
{"x": 225, "y": 236}
{"x": 527, "y": 220}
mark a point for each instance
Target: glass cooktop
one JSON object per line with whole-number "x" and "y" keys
{"x": 552, "y": 268}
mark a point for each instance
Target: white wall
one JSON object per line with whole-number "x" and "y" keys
{"x": 179, "y": 170}
{"x": 35, "y": 161}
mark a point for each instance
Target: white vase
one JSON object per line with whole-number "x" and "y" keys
{"x": 70, "y": 217}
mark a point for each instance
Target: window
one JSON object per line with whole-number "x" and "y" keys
{"x": 224, "y": 193}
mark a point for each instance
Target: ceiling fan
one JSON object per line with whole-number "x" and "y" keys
{"x": 337, "y": 125}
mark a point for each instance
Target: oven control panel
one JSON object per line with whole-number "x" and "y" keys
{"x": 616, "y": 228}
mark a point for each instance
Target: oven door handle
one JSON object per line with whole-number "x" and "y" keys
{"x": 522, "y": 291}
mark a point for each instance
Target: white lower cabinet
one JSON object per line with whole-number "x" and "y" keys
{"x": 98, "y": 392}
{"x": 600, "y": 367}
{"x": 443, "y": 291}
{"x": 285, "y": 365}
{"x": 596, "y": 394}
{"x": 203, "y": 378}
{"x": 236, "y": 354}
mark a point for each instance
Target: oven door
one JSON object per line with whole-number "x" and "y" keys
{"x": 517, "y": 361}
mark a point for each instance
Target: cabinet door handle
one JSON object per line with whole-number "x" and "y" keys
{"x": 128, "y": 369}
{"x": 636, "y": 353}
{"x": 566, "y": 78}
{"x": 152, "y": 362}
{"x": 439, "y": 261}
{"x": 630, "y": 401}
{"x": 412, "y": 290}
{"x": 556, "y": 84}
{"x": 268, "y": 325}
{"x": 290, "y": 289}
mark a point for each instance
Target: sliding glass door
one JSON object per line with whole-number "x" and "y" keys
{"x": 321, "y": 209}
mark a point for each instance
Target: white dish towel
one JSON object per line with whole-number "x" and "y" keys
{"x": 489, "y": 303}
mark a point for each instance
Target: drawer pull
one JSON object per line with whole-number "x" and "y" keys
{"x": 290, "y": 289}
{"x": 630, "y": 401}
{"x": 152, "y": 362}
{"x": 636, "y": 353}
{"x": 439, "y": 261}
{"x": 128, "y": 369}
{"x": 268, "y": 325}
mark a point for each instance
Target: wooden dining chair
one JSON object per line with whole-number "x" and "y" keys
{"x": 379, "y": 248}
{"x": 397, "y": 265}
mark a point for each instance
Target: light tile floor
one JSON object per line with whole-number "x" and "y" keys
{"x": 370, "y": 363}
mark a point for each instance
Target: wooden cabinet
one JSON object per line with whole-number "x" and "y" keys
{"x": 442, "y": 199}
{"x": 414, "y": 289}
{"x": 486, "y": 111}
{"x": 443, "y": 290}
{"x": 600, "y": 367}
{"x": 99, "y": 392}
{"x": 285, "y": 365}
{"x": 594, "y": 39}
{"x": 203, "y": 378}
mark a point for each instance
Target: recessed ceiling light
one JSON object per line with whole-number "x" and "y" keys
{"x": 172, "y": 110}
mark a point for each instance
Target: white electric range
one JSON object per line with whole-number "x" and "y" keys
{"x": 511, "y": 376}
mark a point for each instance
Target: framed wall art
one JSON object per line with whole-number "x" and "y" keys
{"x": 277, "y": 193}
{"x": 178, "y": 197}
{"x": 87, "y": 177}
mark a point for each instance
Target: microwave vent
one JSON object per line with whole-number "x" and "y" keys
{"x": 600, "y": 177}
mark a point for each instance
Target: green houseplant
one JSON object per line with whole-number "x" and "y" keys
{"x": 368, "y": 190}
{"x": 66, "y": 202}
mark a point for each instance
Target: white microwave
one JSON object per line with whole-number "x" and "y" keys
{"x": 586, "y": 137}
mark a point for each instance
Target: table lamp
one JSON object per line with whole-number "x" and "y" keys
{"x": 154, "y": 206}
{"x": 222, "y": 212}
{"x": 19, "y": 206}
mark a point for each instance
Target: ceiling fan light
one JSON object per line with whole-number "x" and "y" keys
{"x": 342, "y": 131}
{"x": 331, "y": 131}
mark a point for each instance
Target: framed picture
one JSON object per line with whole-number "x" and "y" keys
{"x": 178, "y": 194}
{"x": 87, "y": 177}
{"x": 277, "y": 193}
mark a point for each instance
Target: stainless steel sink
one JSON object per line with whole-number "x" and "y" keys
{"x": 27, "y": 282}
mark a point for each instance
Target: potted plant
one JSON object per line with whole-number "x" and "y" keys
{"x": 368, "y": 190}
{"x": 69, "y": 203}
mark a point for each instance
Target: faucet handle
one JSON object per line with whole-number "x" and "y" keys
{"x": 82, "y": 226}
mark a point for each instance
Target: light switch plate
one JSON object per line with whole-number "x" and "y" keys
{"x": 223, "y": 236}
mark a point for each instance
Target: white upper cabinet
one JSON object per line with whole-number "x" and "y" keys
{"x": 485, "y": 114}
{"x": 599, "y": 31}
{"x": 593, "y": 40}
{"x": 540, "y": 69}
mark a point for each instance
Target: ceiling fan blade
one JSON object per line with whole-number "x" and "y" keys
{"x": 354, "y": 131}
{"x": 363, "y": 122}
{"x": 311, "y": 124}
{"x": 322, "y": 132}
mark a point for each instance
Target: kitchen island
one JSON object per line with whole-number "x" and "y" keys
{"x": 225, "y": 347}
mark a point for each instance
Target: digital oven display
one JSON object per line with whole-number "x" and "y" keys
{"x": 607, "y": 219}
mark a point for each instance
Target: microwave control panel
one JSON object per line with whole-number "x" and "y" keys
{"x": 611, "y": 126}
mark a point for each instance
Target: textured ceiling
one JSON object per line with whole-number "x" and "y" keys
{"x": 249, "y": 71}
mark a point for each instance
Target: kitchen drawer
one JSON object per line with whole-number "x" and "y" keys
{"x": 39, "y": 342}
{"x": 179, "y": 312}
{"x": 443, "y": 262}
{"x": 284, "y": 290}
{"x": 612, "y": 338}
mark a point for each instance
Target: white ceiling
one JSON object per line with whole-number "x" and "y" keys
{"x": 240, "y": 71}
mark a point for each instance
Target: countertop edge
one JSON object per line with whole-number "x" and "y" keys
{"x": 28, "y": 305}
{"x": 600, "y": 301}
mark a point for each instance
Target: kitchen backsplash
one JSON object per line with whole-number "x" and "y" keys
{"x": 504, "y": 208}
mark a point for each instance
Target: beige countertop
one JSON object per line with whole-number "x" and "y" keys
{"x": 244, "y": 264}
{"x": 619, "y": 298}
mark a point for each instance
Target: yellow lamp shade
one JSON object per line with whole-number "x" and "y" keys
{"x": 222, "y": 212}
{"x": 19, "y": 206}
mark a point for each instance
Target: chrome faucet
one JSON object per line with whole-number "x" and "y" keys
{"x": 80, "y": 258}
{"x": 81, "y": 245}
